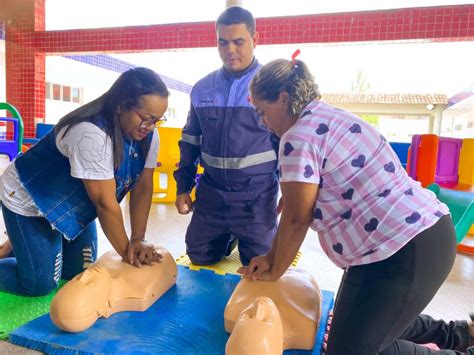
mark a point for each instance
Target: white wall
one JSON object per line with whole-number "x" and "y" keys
{"x": 401, "y": 130}
{"x": 179, "y": 101}
{"x": 94, "y": 82}
{"x": 458, "y": 118}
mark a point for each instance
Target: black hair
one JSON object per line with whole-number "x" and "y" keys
{"x": 125, "y": 93}
{"x": 236, "y": 15}
{"x": 282, "y": 75}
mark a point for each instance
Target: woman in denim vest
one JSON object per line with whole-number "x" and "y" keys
{"x": 81, "y": 170}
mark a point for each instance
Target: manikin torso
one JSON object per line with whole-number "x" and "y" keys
{"x": 111, "y": 285}
{"x": 297, "y": 298}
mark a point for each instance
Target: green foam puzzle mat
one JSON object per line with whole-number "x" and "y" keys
{"x": 17, "y": 310}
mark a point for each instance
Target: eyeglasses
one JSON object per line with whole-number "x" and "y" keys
{"x": 147, "y": 122}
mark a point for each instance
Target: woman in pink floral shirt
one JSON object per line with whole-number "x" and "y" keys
{"x": 394, "y": 239}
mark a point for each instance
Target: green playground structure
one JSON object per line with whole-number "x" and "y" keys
{"x": 461, "y": 206}
{"x": 12, "y": 147}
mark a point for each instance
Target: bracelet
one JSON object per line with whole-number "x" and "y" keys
{"x": 138, "y": 237}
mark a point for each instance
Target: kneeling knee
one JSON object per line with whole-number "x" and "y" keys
{"x": 40, "y": 289}
{"x": 200, "y": 261}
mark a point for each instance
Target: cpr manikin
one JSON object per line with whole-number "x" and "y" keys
{"x": 294, "y": 305}
{"x": 109, "y": 286}
{"x": 258, "y": 330}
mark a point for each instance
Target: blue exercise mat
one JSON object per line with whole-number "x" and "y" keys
{"x": 188, "y": 319}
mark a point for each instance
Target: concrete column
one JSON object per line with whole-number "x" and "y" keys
{"x": 437, "y": 118}
{"x": 230, "y": 3}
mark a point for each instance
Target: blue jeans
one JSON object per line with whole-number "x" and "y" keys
{"x": 42, "y": 256}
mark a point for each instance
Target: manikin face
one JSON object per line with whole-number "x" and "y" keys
{"x": 82, "y": 300}
{"x": 138, "y": 121}
{"x": 275, "y": 115}
{"x": 235, "y": 46}
{"x": 262, "y": 312}
{"x": 258, "y": 330}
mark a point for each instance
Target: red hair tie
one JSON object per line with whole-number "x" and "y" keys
{"x": 294, "y": 55}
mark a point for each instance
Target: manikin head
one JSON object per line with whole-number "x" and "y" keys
{"x": 89, "y": 293}
{"x": 258, "y": 330}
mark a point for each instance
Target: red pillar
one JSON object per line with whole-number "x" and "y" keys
{"x": 25, "y": 69}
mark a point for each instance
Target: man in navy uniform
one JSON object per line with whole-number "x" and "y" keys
{"x": 236, "y": 196}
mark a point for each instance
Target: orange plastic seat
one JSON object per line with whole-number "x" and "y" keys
{"x": 423, "y": 154}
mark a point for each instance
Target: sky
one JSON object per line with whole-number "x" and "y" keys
{"x": 416, "y": 67}
{"x": 444, "y": 68}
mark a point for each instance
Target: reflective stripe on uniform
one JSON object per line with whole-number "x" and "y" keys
{"x": 239, "y": 163}
{"x": 194, "y": 140}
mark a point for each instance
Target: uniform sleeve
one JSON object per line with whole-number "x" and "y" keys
{"x": 89, "y": 151}
{"x": 190, "y": 150}
{"x": 152, "y": 156}
{"x": 299, "y": 160}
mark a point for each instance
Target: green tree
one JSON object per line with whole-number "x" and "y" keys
{"x": 360, "y": 85}
{"x": 372, "y": 119}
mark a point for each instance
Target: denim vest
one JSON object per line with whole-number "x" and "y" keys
{"x": 62, "y": 199}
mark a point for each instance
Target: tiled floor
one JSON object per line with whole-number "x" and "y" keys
{"x": 166, "y": 227}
